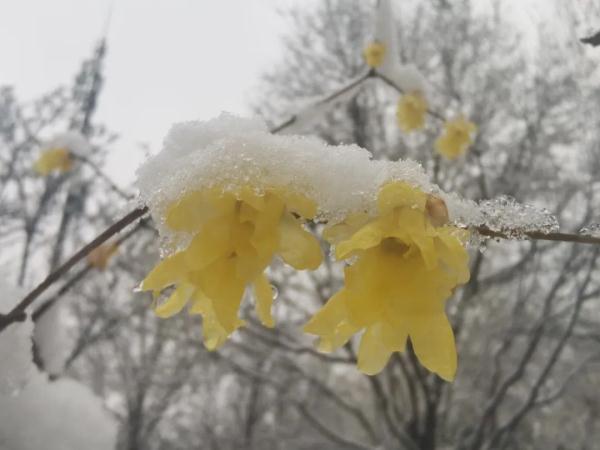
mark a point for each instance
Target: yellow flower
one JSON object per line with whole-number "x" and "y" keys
{"x": 404, "y": 269}
{"x": 411, "y": 112}
{"x": 100, "y": 256}
{"x": 58, "y": 159}
{"x": 456, "y": 138}
{"x": 235, "y": 237}
{"x": 374, "y": 53}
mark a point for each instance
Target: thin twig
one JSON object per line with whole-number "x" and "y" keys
{"x": 18, "y": 312}
{"x": 39, "y": 312}
{"x": 325, "y": 100}
{"x": 539, "y": 236}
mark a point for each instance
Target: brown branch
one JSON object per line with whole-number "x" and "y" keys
{"x": 539, "y": 236}
{"x": 18, "y": 312}
{"x": 39, "y": 312}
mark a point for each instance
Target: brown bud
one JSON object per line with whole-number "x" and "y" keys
{"x": 437, "y": 211}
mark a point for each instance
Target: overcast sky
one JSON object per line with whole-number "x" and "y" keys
{"x": 168, "y": 60}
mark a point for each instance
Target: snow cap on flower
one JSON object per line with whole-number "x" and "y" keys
{"x": 56, "y": 154}
{"x": 234, "y": 152}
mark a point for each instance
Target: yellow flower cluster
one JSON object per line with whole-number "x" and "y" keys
{"x": 411, "y": 112}
{"x": 404, "y": 269}
{"x": 456, "y": 139}
{"x": 236, "y": 235}
{"x": 374, "y": 54}
{"x": 54, "y": 159}
{"x": 407, "y": 261}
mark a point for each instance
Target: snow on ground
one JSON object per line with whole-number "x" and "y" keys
{"x": 16, "y": 360}
{"x": 52, "y": 341}
{"x": 57, "y": 415}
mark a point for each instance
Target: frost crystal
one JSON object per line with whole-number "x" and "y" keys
{"x": 505, "y": 215}
{"x": 16, "y": 366}
{"x": 59, "y": 415}
{"x": 592, "y": 230}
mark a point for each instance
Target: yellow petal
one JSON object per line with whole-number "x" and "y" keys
{"x": 374, "y": 54}
{"x": 189, "y": 212}
{"x": 368, "y": 236}
{"x": 220, "y": 284}
{"x": 175, "y": 303}
{"x": 169, "y": 271}
{"x": 58, "y": 159}
{"x": 343, "y": 230}
{"x": 331, "y": 324}
{"x": 213, "y": 241}
{"x": 373, "y": 354}
{"x": 399, "y": 195}
{"x": 263, "y": 294}
{"x": 298, "y": 247}
{"x": 300, "y": 204}
{"x": 253, "y": 198}
{"x": 214, "y": 334}
{"x": 433, "y": 341}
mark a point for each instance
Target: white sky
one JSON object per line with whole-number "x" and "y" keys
{"x": 168, "y": 60}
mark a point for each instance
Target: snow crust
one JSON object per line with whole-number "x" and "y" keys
{"x": 59, "y": 415}
{"x": 230, "y": 152}
{"x": 506, "y": 215}
{"x": 16, "y": 358}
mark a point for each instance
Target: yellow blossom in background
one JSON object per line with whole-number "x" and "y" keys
{"x": 456, "y": 139}
{"x": 58, "y": 159}
{"x": 235, "y": 237}
{"x": 411, "y": 112}
{"x": 101, "y": 255}
{"x": 404, "y": 269}
{"x": 374, "y": 54}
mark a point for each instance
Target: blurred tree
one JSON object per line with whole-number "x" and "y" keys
{"x": 526, "y": 324}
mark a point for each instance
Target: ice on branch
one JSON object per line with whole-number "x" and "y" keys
{"x": 504, "y": 214}
{"x": 58, "y": 415}
{"x": 16, "y": 359}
